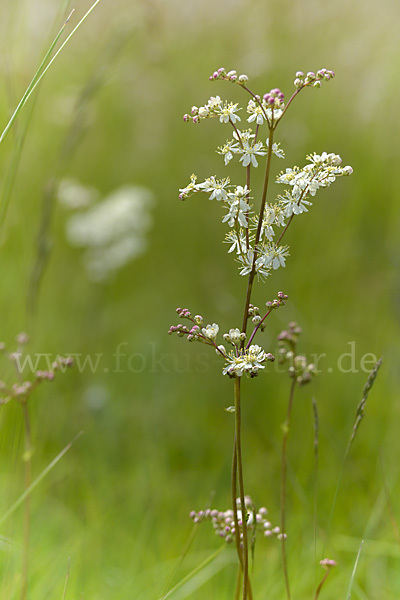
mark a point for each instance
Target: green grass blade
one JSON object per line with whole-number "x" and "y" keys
{"x": 34, "y": 81}
{"x": 354, "y": 571}
{"x": 38, "y": 479}
{"x": 193, "y": 573}
{"x": 360, "y": 411}
{"x": 43, "y": 68}
{"x": 62, "y": 46}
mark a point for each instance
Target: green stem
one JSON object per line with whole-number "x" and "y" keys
{"x": 238, "y": 583}
{"x": 234, "y": 505}
{"x": 248, "y": 173}
{"x": 245, "y": 550}
{"x": 27, "y": 502}
{"x": 258, "y": 234}
{"x": 286, "y": 427}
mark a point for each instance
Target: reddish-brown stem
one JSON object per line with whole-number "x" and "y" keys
{"x": 319, "y": 588}
{"x": 258, "y": 233}
{"x": 257, "y": 328}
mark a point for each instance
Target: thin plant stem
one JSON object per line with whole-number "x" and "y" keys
{"x": 66, "y": 580}
{"x": 316, "y": 456}
{"x": 238, "y": 583}
{"x": 248, "y": 173}
{"x": 389, "y": 502}
{"x": 258, "y": 234}
{"x": 286, "y": 428}
{"x": 234, "y": 506}
{"x": 181, "y": 558}
{"x": 257, "y": 327}
{"x": 27, "y": 501}
{"x": 37, "y": 480}
{"x": 319, "y": 588}
{"x": 245, "y": 552}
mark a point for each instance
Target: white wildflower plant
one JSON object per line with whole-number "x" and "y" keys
{"x": 112, "y": 231}
{"x": 256, "y": 228}
{"x": 254, "y": 237}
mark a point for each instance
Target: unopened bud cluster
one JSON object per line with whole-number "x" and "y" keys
{"x": 277, "y": 302}
{"x": 312, "y": 78}
{"x": 195, "y": 333}
{"x": 299, "y": 368}
{"x": 328, "y": 563}
{"x": 223, "y": 522}
{"x": 21, "y": 390}
{"x": 232, "y": 75}
{"x": 274, "y": 99}
{"x": 254, "y": 312}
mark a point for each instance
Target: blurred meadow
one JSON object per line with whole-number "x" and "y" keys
{"x": 103, "y": 284}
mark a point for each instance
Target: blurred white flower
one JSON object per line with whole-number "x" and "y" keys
{"x": 72, "y": 195}
{"x": 113, "y": 231}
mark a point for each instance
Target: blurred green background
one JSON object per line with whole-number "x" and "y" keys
{"x": 157, "y": 442}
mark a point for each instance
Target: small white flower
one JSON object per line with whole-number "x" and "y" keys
{"x": 271, "y": 256}
{"x": 248, "y": 361}
{"x": 249, "y": 153}
{"x": 234, "y": 336}
{"x": 237, "y": 243}
{"x": 204, "y": 111}
{"x": 276, "y": 149}
{"x": 228, "y": 113}
{"x": 217, "y": 188}
{"x": 228, "y": 150}
{"x": 256, "y": 113}
{"x": 190, "y": 188}
{"x": 277, "y": 114}
{"x": 214, "y": 103}
{"x": 243, "y": 136}
{"x": 247, "y": 261}
{"x": 238, "y": 207}
{"x": 211, "y": 331}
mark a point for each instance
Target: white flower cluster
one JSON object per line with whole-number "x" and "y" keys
{"x": 113, "y": 231}
{"x": 73, "y": 195}
{"x": 215, "y": 107}
{"x": 320, "y": 172}
{"x": 253, "y": 243}
{"x": 248, "y": 361}
{"x": 234, "y": 198}
{"x": 243, "y": 145}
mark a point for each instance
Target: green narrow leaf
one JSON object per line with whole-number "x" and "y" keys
{"x": 354, "y": 571}
{"x": 43, "y": 68}
{"x": 194, "y": 572}
{"x": 38, "y": 479}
